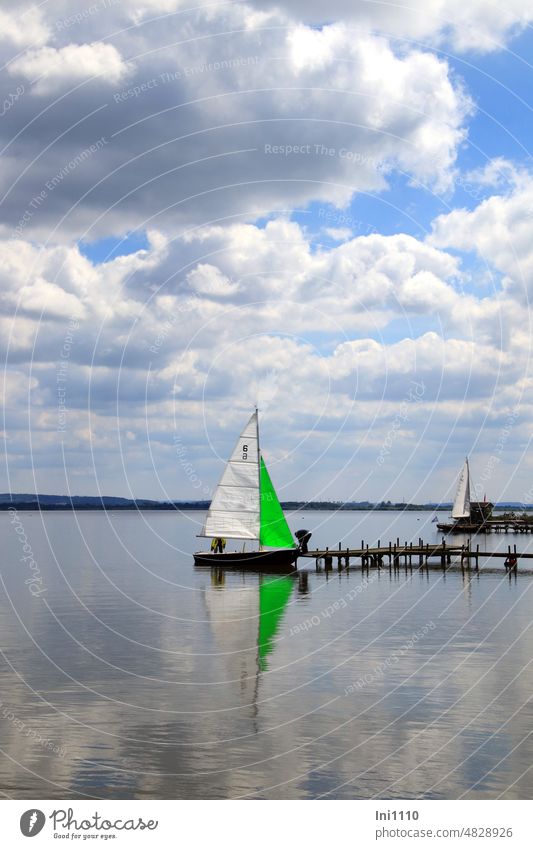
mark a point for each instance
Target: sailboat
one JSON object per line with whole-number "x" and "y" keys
{"x": 245, "y": 507}
{"x": 461, "y": 505}
{"x": 470, "y": 516}
{"x": 461, "y": 509}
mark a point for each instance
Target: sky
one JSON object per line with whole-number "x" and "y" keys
{"x": 209, "y": 206}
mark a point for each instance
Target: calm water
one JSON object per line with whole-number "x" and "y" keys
{"x": 133, "y": 675}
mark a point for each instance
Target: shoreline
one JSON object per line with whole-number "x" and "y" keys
{"x": 289, "y": 506}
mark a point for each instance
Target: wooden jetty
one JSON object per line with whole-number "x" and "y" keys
{"x": 421, "y": 555}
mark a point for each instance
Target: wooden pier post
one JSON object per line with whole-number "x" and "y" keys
{"x": 303, "y": 582}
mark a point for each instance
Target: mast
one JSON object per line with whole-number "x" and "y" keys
{"x": 258, "y": 468}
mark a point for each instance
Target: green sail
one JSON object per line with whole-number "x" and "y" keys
{"x": 273, "y": 597}
{"x": 274, "y": 530}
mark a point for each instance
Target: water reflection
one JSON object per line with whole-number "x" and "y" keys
{"x": 249, "y": 615}
{"x": 136, "y": 676}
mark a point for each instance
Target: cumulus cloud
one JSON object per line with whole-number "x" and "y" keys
{"x": 212, "y": 127}
{"x": 23, "y": 27}
{"x": 206, "y": 279}
{"x": 338, "y": 234}
{"x": 478, "y": 25}
{"x": 256, "y": 279}
{"x": 498, "y": 229}
{"x": 199, "y": 127}
{"x": 50, "y": 69}
{"x": 239, "y": 314}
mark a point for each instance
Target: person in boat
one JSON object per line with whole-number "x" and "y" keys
{"x": 511, "y": 562}
{"x": 218, "y": 545}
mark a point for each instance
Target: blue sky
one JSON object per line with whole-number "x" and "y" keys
{"x": 106, "y": 250}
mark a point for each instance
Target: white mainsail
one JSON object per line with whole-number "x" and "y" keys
{"x": 235, "y": 507}
{"x": 461, "y": 505}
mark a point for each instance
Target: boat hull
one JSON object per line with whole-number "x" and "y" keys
{"x": 449, "y": 528}
{"x": 280, "y": 561}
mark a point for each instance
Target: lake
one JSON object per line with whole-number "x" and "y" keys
{"x": 127, "y": 673}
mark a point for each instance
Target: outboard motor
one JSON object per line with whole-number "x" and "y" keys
{"x": 303, "y": 538}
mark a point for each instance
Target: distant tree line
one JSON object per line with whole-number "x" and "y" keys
{"x": 105, "y": 502}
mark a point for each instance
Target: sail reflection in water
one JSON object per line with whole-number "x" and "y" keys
{"x": 274, "y": 595}
{"x": 245, "y": 621}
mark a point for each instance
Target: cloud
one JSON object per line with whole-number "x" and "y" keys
{"x": 211, "y": 129}
{"x": 443, "y": 368}
{"x": 205, "y": 279}
{"x": 50, "y": 69}
{"x": 229, "y": 116}
{"x": 23, "y": 27}
{"x": 243, "y": 279}
{"x": 209, "y": 323}
{"x": 338, "y": 234}
{"x": 478, "y": 25}
{"x": 498, "y": 230}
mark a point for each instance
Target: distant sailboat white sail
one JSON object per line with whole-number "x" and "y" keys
{"x": 461, "y": 505}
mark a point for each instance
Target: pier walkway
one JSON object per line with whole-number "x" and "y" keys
{"x": 395, "y": 555}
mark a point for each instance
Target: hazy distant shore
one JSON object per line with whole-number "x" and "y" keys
{"x": 110, "y": 503}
